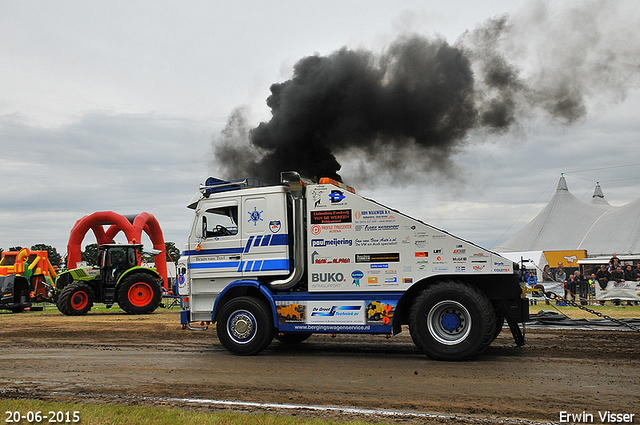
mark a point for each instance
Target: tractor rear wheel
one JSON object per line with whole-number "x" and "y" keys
{"x": 139, "y": 293}
{"x": 452, "y": 321}
{"x": 76, "y": 299}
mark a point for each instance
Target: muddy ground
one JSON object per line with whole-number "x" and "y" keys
{"x": 111, "y": 357}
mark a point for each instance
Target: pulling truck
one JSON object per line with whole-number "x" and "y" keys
{"x": 255, "y": 249}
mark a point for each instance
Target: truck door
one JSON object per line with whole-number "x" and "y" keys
{"x": 265, "y": 236}
{"x": 215, "y": 250}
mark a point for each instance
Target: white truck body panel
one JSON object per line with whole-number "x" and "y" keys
{"x": 356, "y": 244}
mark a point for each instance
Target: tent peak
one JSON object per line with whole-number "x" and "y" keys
{"x": 598, "y": 191}
{"x": 562, "y": 184}
{"x": 598, "y": 196}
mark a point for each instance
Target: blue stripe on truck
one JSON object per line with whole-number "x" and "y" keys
{"x": 266, "y": 240}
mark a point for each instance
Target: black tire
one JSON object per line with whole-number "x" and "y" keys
{"x": 452, "y": 321}
{"x": 139, "y": 293}
{"x": 292, "y": 337}
{"x": 498, "y": 328}
{"x": 245, "y": 326}
{"x": 76, "y": 299}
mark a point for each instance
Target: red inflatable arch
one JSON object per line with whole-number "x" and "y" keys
{"x": 132, "y": 228}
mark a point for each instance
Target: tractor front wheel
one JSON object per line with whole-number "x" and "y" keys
{"x": 139, "y": 293}
{"x": 76, "y": 299}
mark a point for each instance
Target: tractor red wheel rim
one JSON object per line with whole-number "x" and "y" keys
{"x": 79, "y": 300}
{"x": 140, "y": 294}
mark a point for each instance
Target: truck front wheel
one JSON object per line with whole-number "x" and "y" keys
{"x": 245, "y": 326}
{"x": 452, "y": 321}
{"x": 139, "y": 293}
{"x": 76, "y": 299}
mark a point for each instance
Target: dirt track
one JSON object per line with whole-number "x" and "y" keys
{"x": 103, "y": 357}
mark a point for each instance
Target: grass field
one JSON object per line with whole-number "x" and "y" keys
{"x": 617, "y": 312}
{"x": 102, "y": 414}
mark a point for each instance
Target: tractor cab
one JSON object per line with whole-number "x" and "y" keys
{"x": 114, "y": 260}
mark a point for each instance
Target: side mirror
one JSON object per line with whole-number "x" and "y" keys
{"x": 202, "y": 224}
{"x": 204, "y": 228}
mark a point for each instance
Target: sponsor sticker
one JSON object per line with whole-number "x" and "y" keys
{"x": 356, "y": 275}
{"x": 330, "y": 242}
{"x": 377, "y": 258}
{"x": 333, "y": 216}
{"x": 275, "y": 226}
{"x": 327, "y": 277}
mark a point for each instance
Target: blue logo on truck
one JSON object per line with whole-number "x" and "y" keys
{"x": 356, "y": 275}
{"x": 336, "y": 196}
{"x": 255, "y": 216}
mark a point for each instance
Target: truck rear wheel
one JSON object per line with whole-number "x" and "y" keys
{"x": 139, "y": 293}
{"x": 452, "y": 321}
{"x": 76, "y": 299}
{"x": 245, "y": 326}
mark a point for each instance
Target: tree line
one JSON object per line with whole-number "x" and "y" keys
{"x": 90, "y": 254}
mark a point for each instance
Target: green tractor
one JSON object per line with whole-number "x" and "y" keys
{"x": 119, "y": 278}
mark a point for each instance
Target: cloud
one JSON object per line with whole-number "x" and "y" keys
{"x": 412, "y": 107}
{"x": 113, "y": 106}
{"x": 125, "y": 163}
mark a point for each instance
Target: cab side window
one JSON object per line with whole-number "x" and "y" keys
{"x": 220, "y": 221}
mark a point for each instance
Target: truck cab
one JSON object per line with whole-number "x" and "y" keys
{"x": 235, "y": 235}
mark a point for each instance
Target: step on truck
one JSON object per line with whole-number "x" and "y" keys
{"x": 347, "y": 263}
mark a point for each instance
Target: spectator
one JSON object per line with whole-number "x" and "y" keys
{"x": 614, "y": 256}
{"x": 617, "y": 276}
{"x": 561, "y": 276}
{"x": 603, "y": 276}
{"x": 582, "y": 286}
{"x": 547, "y": 274}
{"x": 524, "y": 274}
{"x": 570, "y": 288}
{"x": 614, "y": 263}
{"x": 592, "y": 285}
{"x": 630, "y": 273}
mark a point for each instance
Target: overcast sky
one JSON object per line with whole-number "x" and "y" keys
{"x": 118, "y": 105}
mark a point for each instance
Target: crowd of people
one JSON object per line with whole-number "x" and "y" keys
{"x": 576, "y": 284}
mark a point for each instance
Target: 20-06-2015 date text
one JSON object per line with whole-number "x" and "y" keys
{"x": 49, "y": 417}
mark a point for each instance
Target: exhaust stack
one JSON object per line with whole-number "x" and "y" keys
{"x": 294, "y": 181}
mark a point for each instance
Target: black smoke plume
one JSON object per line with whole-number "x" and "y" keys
{"x": 413, "y": 106}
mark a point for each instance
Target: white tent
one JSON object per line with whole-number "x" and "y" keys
{"x": 567, "y": 223}
{"x": 532, "y": 260}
